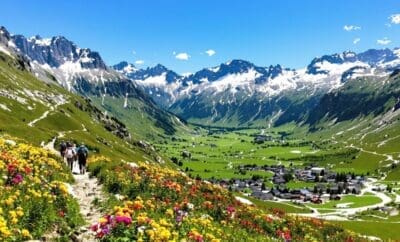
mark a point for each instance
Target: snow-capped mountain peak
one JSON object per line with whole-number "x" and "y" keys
{"x": 124, "y": 67}
{"x": 37, "y": 40}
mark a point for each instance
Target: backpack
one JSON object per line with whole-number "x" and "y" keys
{"x": 70, "y": 153}
{"x": 81, "y": 153}
{"x": 63, "y": 147}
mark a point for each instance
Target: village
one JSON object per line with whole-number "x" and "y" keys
{"x": 322, "y": 184}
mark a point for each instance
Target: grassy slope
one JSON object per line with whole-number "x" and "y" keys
{"x": 137, "y": 118}
{"x": 66, "y": 118}
{"x": 384, "y": 230}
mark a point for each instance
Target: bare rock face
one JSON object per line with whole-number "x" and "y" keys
{"x": 57, "y": 51}
{"x": 4, "y": 36}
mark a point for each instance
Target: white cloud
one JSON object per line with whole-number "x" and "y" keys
{"x": 349, "y": 28}
{"x": 134, "y": 52}
{"x": 395, "y": 18}
{"x": 356, "y": 40}
{"x": 182, "y": 56}
{"x": 384, "y": 41}
{"x": 210, "y": 52}
{"x": 139, "y": 62}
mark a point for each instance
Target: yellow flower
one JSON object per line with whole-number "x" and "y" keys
{"x": 5, "y": 232}
{"x": 169, "y": 212}
{"x": 14, "y": 220}
{"x": 25, "y": 233}
{"x": 164, "y": 234}
{"x": 150, "y": 233}
{"x": 102, "y": 220}
{"x": 9, "y": 201}
{"x": 12, "y": 214}
{"x": 20, "y": 212}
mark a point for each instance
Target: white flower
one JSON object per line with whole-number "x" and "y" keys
{"x": 141, "y": 229}
{"x": 10, "y": 142}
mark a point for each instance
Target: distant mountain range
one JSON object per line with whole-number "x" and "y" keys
{"x": 241, "y": 93}
{"x": 236, "y": 93}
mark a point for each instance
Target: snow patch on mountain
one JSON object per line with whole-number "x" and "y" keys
{"x": 214, "y": 69}
{"x": 39, "y": 41}
{"x": 153, "y": 80}
{"x": 234, "y": 81}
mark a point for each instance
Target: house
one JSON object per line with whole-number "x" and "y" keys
{"x": 317, "y": 171}
{"x": 276, "y": 192}
{"x": 334, "y": 189}
{"x": 355, "y": 189}
{"x": 306, "y": 194}
{"x": 259, "y": 139}
{"x": 278, "y": 180}
{"x": 320, "y": 188}
{"x": 310, "y": 178}
{"x": 263, "y": 195}
{"x": 290, "y": 196}
{"x": 255, "y": 187}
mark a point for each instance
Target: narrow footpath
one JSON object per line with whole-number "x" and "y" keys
{"x": 87, "y": 192}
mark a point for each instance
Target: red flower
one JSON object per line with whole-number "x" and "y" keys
{"x": 11, "y": 168}
{"x": 27, "y": 169}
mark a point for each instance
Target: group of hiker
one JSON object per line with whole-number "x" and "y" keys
{"x": 75, "y": 157}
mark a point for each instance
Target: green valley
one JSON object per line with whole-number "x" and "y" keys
{"x": 212, "y": 148}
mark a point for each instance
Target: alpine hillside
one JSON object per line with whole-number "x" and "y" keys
{"x": 83, "y": 71}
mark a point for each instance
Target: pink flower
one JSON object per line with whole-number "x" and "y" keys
{"x": 17, "y": 179}
{"x": 123, "y": 219}
{"x": 230, "y": 209}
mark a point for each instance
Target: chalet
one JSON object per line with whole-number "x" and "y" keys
{"x": 263, "y": 195}
{"x": 310, "y": 178}
{"x": 320, "y": 188}
{"x": 306, "y": 195}
{"x": 355, "y": 189}
{"x": 334, "y": 189}
{"x": 255, "y": 187}
{"x": 317, "y": 171}
{"x": 276, "y": 192}
{"x": 290, "y": 196}
{"x": 259, "y": 139}
{"x": 278, "y": 180}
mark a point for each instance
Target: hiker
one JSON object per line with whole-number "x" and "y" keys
{"x": 82, "y": 154}
{"x": 63, "y": 147}
{"x": 70, "y": 154}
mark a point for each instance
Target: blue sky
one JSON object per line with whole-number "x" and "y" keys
{"x": 287, "y": 32}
